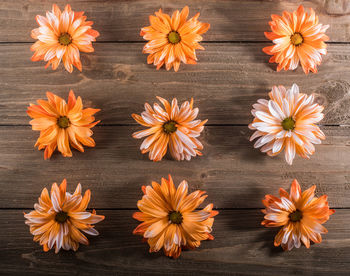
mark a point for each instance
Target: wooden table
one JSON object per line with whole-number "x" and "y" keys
{"x": 231, "y": 75}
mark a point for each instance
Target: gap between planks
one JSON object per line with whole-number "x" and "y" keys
{"x": 208, "y": 125}
{"x": 204, "y": 41}
{"x": 136, "y": 209}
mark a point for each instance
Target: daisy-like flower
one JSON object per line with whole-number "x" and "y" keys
{"x": 287, "y": 121}
{"x": 61, "y": 124}
{"x": 300, "y": 214}
{"x": 61, "y": 36}
{"x": 298, "y": 37}
{"x": 172, "y": 40}
{"x": 171, "y": 127}
{"x": 169, "y": 220}
{"x": 60, "y": 218}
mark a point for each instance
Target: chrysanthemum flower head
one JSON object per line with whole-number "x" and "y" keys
{"x": 61, "y": 124}
{"x": 60, "y": 218}
{"x": 173, "y": 40}
{"x": 287, "y": 121}
{"x": 61, "y": 36}
{"x": 171, "y": 127}
{"x": 298, "y": 37}
{"x": 169, "y": 219}
{"x": 300, "y": 214}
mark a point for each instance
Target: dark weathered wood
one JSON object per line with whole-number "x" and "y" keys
{"x": 122, "y": 20}
{"x": 241, "y": 247}
{"x": 234, "y": 174}
{"x": 228, "y": 79}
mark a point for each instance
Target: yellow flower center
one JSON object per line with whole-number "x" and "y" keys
{"x": 169, "y": 127}
{"x": 296, "y": 216}
{"x": 174, "y": 37}
{"x": 63, "y": 122}
{"x": 288, "y": 124}
{"x": 61, "y": 217}
{"x": 175, "y": 217}
{"x": 65, "y": 39}
{"x": 296, "y": 39}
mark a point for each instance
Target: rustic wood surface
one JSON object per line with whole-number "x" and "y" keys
{"x": 234, "y": 174}
{"x": 231, "y": 75}
{"x": 240, "y": 247}
{"x": 228, "y": 79}
{"x": 121, "y": 20}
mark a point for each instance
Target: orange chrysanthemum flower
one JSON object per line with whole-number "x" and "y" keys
{"x": 174, "y": 127}
{"x": 301, "y": 216}
{"x": 61, "y": 36}
{"x": 298, "y": 37}
{"x": 172, "y": 40}
{"x": 169, "y": 220}
{"x": 287, "y": 121}
{"x": 57, "y": 221}
{"x": 61, "y": 124}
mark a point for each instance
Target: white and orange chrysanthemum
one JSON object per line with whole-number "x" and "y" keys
{"x": 171, "y": 127}
{"x": 300, "y": 214}
{"x": 61, "y": 36}
{"x": 60, "y": 218}
{"x": 298, "y": 37}
{"x": 169, "y": 219}
{"x": 173, "y": 40}
{"x": 287, "y": 121}
{"x": 61, "y": 124}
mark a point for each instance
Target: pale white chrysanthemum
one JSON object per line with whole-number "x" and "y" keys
{"x": 287, "y": 121}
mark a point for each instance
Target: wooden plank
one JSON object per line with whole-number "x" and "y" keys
{"x": 241, "y": 247}
{"x": 234, "y": 174}
{"x": 122, "y": 20}
{"x": 227, "y": 81}
{"x": 229, "y": 78}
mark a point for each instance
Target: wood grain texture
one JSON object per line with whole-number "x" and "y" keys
{"x": 228, "y": 79}
{"x": 231, "y": 75}
{"x": 241, "y": 247}
{"x": 234, "y": 174}
{"x": 121, "y": 20}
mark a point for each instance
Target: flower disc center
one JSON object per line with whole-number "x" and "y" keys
{"x": 174, "y": 37}
{"x": 288, "y": 124}
{"x": 63, "y": 122}
{"x": 170, "y": 127}
{"x": 296, "y": 216}
{"x": 61, "y": 217}
{"x": 296, "y": 39}
{"x": 65, "y": 39}
{"x": 175, "y": 217}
